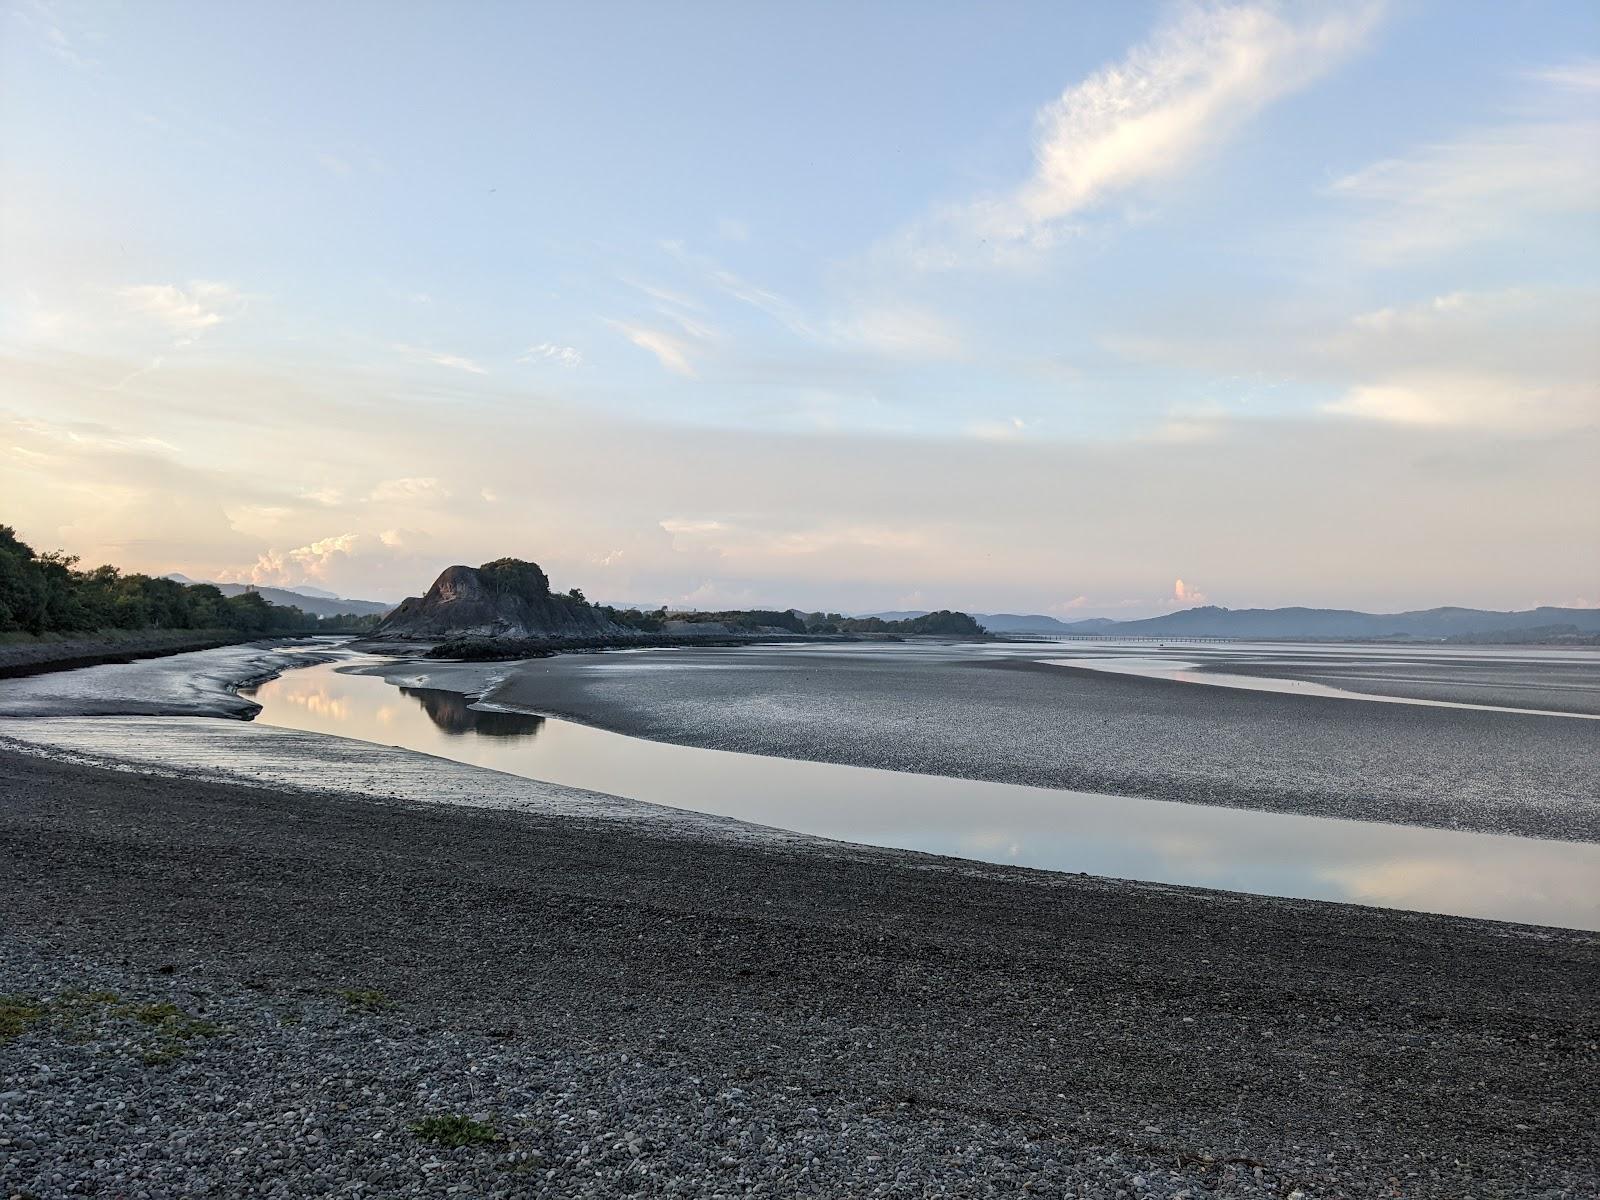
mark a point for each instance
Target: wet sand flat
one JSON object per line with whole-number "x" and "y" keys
{"x": 1007, "y": 718}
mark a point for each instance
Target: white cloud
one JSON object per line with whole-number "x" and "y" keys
{"x": 1508, "y": 404}
{"x": 1429, "y": 314}
{"x": 184, "y": 312}
{"x": 1150, "y": 116}
{"x": 281, "y": 567}
{"x": 409, "y": 490}
{"x": 681, "y": 525}
{"x": 1187, "y": 595}
{"x": 671, "y": 352}
{"x": 566, "y": 356}
{"x": 997, "y": 431}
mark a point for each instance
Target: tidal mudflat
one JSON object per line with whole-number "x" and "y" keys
{"x": 629, "y": 998}
{"x": 1465, "y": 873}
{"x": 999, "y": 713}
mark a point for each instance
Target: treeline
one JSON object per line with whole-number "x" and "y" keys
{"x": 1535, "y": 635}
{"x": 47, "y": 593}
{"x": 944, "y": 622}
{"x": 751, "y": 620}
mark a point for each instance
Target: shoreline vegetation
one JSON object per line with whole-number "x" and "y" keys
{"x": 47, "y": 594}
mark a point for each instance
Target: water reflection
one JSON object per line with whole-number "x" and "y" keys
{"x": 451, "y": 712}
{"x": 1282, "y": 854}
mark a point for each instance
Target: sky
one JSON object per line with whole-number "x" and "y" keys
{"x": 1082, "y": 309}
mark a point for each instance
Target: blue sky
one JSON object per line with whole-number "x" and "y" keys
{"x": 1001, "y": 306}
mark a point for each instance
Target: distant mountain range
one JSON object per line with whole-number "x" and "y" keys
{"x": 1211, "y": 621}
{"x": 309, "y": 600}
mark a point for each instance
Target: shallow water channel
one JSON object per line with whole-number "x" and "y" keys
{"x": 1395, "y": 866}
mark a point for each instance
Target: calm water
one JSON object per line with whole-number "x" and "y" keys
{"x": 1397, "y": 866}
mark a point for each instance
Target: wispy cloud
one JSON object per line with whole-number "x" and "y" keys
{"x": 1150, "y": 116}
{"x": 439, "y": 358}
{"x": 565, "y": 356}
{"x": 410, "y": 489}
{"x": 779, "y": 308}
{"x": 1488, "y": 181}
{"x": 49, "y": 23}
{"x": 903, "y": 331}
{"x": 671, "y": 352}
{"x": 186, "y": 312}
{"x": 1580, "y": 75}
{"x": 1508, "y": 360}
{"x": 662, "y": 295}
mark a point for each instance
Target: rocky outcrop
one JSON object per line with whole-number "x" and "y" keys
{"x": 507, "y": 598}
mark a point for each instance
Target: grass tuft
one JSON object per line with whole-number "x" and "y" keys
{"x": 454, "y": 1130}
{"x": 18, "y": 1014}
{"x": 82, "y": 1016}
{"x": 364, "y": 1000}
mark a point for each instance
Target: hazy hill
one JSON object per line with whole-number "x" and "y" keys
{"x": 1211, "y": 621}
{"x": 309, "y": 600}
{"x": 1037, "y": 623}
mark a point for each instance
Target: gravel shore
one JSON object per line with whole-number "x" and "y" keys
{"x": 624, "y": 1013}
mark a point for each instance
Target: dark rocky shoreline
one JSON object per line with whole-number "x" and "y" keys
{"x": 852, "y": 1022}
{"x": 504, "y": 649}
